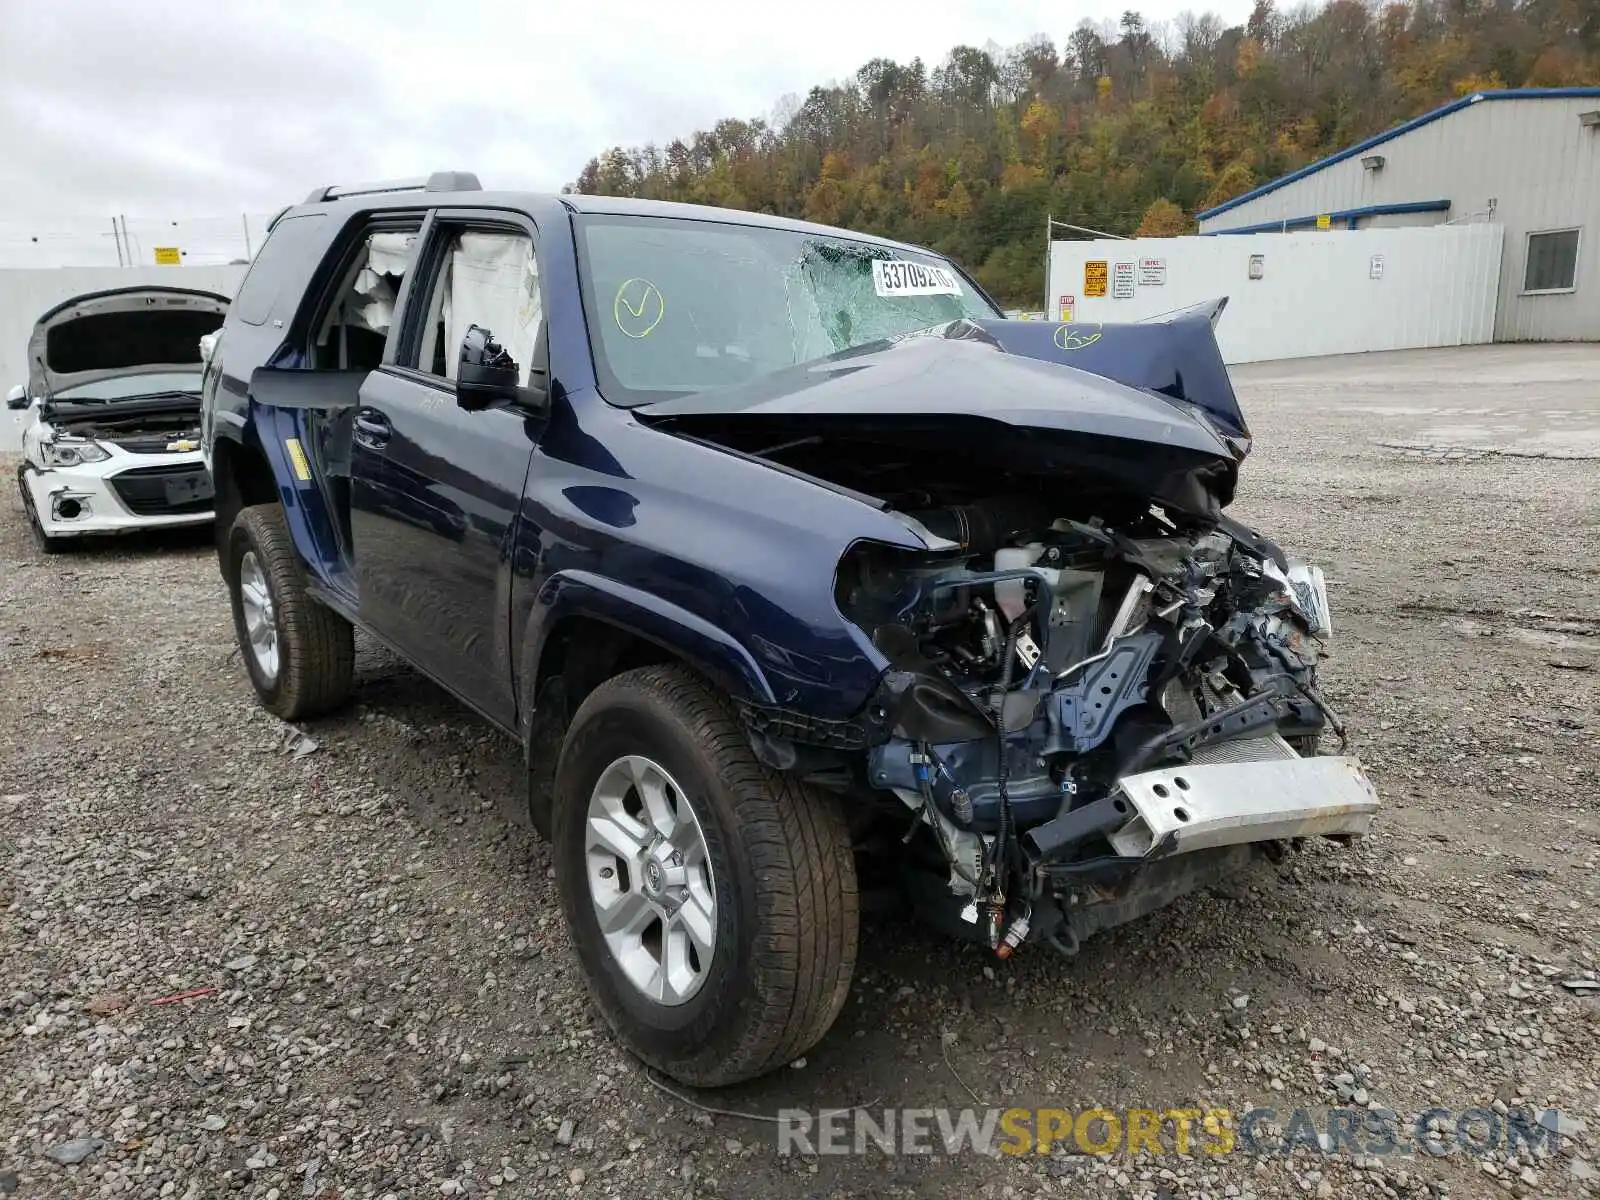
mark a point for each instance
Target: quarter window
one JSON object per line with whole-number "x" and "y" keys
{"x": 290, "y": 245}
{"x": 1552, "y": 261}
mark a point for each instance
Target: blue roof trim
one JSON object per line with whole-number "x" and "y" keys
{"x": 1563, "y": 93}
{"x": 1351, "y": 215}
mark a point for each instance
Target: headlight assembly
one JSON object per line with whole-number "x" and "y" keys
{"x": 1311, "y": 597}
{"x": 73, "y": 452}
{"x": 1308, "y": 591}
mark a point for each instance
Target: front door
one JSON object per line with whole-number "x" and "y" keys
{"x": 437, "y": 487}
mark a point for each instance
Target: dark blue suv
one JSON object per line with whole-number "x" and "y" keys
{"x": 783, "y": 554}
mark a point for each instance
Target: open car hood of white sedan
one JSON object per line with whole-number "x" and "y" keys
{"x": 124, "y": 331}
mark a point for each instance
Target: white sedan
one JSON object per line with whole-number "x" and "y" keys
{"x": 111, "y": 413}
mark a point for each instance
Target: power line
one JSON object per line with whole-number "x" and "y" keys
{"x": 131, "y": 241}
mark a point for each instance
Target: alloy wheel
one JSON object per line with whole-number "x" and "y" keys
{"x": 260, "y": 615}
{"x": 650, "y": 880}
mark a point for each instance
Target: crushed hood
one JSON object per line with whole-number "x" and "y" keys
{"x": 124, "y": 331}
{"x": 959, "y": 389}
{"x": 1175, "y": 354}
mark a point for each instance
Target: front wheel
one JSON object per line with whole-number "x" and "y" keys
{"x": 300, "y": 654}
{"x": 712, "y": 902}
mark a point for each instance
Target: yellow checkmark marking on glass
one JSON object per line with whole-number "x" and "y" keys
{"x": 648, "y": 292}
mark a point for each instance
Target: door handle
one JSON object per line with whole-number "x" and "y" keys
{"x": 372, "y": 427}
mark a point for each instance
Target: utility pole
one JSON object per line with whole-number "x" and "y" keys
{"x": 116, "y": 234}
{"x": 245, "y": 218}
{"x": 1049, "y": 226}
{"x": 129, "y": 242}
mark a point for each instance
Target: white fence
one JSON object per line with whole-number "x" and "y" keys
{"x": 1296, "y": 295}
{"x": 26, "y": 295}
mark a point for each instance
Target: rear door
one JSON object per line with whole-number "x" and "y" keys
{"x": 437, "y": 487}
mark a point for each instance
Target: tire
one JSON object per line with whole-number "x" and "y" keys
{"x": 314, "y": 646}
{"x": 41, "y": 539}
{"x": 780, "y": 871}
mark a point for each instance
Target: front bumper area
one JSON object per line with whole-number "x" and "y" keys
{"x": 122, "y": 494}
{"x": 1186, "y": 828}
{"x": 1179, "y": 810}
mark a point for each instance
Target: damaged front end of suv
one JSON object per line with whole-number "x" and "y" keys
{"x": 1098, "y": 692}
{"x": 1091, "y": 717}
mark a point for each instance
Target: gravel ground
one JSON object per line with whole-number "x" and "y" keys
{"x": 392, "y": 1008}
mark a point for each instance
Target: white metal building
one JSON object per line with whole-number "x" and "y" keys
{"x": 1527, "y": 159}
{"x": 1301, "y": 294}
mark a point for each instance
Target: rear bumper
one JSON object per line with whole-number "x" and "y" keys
{"x": 1178, "y": 810}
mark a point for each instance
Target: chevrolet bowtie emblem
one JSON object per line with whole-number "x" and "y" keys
{"x": 183, "y": 444}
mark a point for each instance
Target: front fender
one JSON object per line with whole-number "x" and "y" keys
{"x": 702, "y": 645}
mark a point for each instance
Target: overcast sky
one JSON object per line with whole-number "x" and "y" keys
{"x": 181, "y": 108}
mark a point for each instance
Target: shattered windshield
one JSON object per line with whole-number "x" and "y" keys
{"x": 679, "y": 306}
{"x": 130, "y": 387}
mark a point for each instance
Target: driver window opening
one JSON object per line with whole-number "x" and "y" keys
{"x": 488, "y": 278}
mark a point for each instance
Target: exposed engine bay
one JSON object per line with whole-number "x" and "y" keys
{"x": 140, "y": 426}
{"x": 1067, "y": 699}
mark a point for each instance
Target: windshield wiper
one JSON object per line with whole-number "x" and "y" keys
{"x": 171, "y": 394}
{"x": 137, "y": 398}
{"x": 150, "y": 402}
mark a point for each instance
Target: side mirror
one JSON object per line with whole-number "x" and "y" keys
{"x": 17, "y": 397}
{"x": 485, "y": 373}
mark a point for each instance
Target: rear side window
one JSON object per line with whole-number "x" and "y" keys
{"x": 352, "y": 333}
{"x": 280, "y": 262}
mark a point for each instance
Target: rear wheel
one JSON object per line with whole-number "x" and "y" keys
{"x": 300, "y": 654}
{"x": 712, "y": 902}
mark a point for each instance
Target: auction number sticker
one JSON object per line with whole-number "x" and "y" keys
{"x": 898, "y": 277}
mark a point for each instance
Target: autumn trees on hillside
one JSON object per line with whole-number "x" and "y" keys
{"x": 1128, "y": 129}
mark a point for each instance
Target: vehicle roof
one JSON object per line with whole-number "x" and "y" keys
{"x": 628, "y": 206}
{"x": 536, "y": 203}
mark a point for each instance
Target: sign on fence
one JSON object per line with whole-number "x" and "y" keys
{"x": 1094, "y": 277}
{"x": 1152, "y": 272}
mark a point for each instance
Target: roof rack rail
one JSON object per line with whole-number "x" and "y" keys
{"x": 439, "y": 181}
